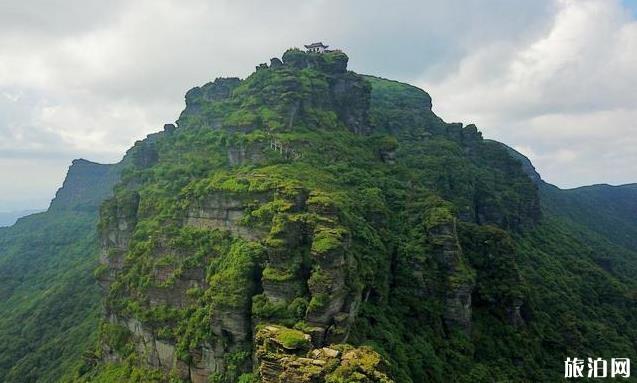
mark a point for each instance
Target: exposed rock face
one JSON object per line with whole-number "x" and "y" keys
{"x": 527, "y": 166}
{"x": 144, "y": 154}
{"x": 351, "y": 96}
{"x": 332, "y": 301}
{"x": 286, "y": 356}
{"x": 171, "y": 286}
{"x": 156, "y": 353}
{"x": 224, "y": 211}
{"x": 242, "y": 154}
{"x": 236, "y": 224}
{"x": 275, "y": 63}
{"x": 83, "y": 186}
{"x": 514, "y": 313}
{"x": 333, "y": 304}
{"x": 219, "y": 89}
{"x": 470, "y": 135}
{"x": 175, "y": 293}
{"x": 439, "y": 270}
{"x": 115, "y": 234}
{"x": 282, "y": 278}
{"x": 459, "y": 278}
{"x": 405, "y": 112}
{"x": 347, "y": 93}
{"x": 458, "y": 306}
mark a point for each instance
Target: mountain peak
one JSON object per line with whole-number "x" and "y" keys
{"x": 86, "y": 185}
{"x": 279, "y": 97}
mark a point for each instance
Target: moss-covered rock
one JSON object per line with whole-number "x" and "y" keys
{"x": 309, "y": 224}
{"x": 286, "y": 355}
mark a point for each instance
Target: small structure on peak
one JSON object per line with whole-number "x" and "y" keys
{"x": 316, "y": 47}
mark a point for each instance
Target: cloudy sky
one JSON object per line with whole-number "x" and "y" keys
{"x": 555, "y": 79}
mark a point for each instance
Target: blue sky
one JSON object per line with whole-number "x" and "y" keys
{"x": 631, "y": 5}
{"x": 86, "y": 78}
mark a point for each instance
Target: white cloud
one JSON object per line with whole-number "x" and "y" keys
{"x": 567, "y": 97}
{"x": 29, "y": 194}
{"x": 86, "y": 78}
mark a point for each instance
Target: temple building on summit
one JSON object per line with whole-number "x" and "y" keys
{"x": 316, "y": 47}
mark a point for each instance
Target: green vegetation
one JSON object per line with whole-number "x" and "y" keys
{"x": 290, "y": 338}
{"x": 358, "y": 365}
{"x": 608, "y": 211}
{"x": 122, "y": 372}
{"x": 341, "y": 206}
{"x": 359, "y": 190}
{"x": 49, "y": 299}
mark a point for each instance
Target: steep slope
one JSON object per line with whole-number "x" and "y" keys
{"x": 607, "y": 211}
{"x": 603, "y": 217}
{"x": 49, "y": 302}
{"x": 610, "y": 211}
{"x": 10, "y": 217}
{"x": 309, "y": 224}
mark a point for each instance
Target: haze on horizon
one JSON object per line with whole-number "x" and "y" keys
{"x": 554, "y": 79}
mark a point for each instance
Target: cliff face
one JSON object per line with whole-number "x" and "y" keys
{"x": 267, "y": 224}
{"x": 86, "y": 185}
{"x": 294, "y": 239}
{"x": 273, "y": 205}
{"x": 296, "y": 215}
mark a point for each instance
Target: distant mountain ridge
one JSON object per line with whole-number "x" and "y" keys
{"x": 608, "y": 210}
{"x": 84, "y": 185}
{"x": 8, "y": 218}
{"x": 49, "y": 300}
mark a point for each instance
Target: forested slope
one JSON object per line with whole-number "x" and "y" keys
{"x": 310, "y": 224}
{"x": 49, "y": 301}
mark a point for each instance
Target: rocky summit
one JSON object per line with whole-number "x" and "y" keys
{"x": 311, "y": 224}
